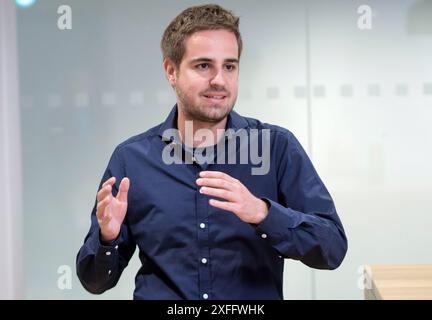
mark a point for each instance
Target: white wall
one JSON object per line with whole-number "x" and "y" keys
{"x": 11, "y": 273}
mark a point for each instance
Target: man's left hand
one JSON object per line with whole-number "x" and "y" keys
{"x": 238, "y": 198}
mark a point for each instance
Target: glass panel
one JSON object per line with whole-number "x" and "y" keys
{"x": 371, "y": 131}
{"x": 85, "y": 90}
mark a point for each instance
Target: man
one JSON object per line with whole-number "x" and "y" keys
{"x": 208, "y": 226}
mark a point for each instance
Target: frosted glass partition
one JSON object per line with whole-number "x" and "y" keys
{"x": 371, "y": 113}
{"x": 359, "y": 100}
{"x": 85, "y": 90}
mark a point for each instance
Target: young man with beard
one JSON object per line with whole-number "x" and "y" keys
{"x": 210, "y": 228}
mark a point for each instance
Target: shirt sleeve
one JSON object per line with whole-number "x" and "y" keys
{"x": 99, "y": 265}
{"x": 303, "y": 223}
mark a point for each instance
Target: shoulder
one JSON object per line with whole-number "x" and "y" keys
{"x": 276, "y": 132}
{"x": 283, "y": 142}
{"x": 143, "y": 139}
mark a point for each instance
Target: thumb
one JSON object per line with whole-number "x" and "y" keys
{"x": 123, "y": 190}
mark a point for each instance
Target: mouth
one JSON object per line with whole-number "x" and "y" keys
{"x": 215, "y": 98}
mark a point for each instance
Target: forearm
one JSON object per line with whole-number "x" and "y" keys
{"x": 97, "y": 264}
{"x": 316, "y": 240}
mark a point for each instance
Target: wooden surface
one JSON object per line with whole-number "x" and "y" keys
{"x": 399, "y": 282}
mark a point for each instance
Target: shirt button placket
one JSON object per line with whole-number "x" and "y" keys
{"x": 202, "y": 212}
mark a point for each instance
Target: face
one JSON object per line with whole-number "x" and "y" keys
{"x": 206, "y": 82}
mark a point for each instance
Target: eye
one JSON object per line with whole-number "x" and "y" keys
{"x": 230, "y": 67}
{"x": 203, "y": 66}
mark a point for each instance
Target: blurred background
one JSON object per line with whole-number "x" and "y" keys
{"x": 351, "y": 79}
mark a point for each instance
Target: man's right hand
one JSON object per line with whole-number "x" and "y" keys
{"x": 111, "y": 210}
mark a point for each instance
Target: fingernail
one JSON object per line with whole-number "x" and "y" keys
{"x": 198, "y": 181}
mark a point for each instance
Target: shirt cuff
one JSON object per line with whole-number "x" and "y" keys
{"x": 278, "y": 220}
{"x": 103, "y": 250}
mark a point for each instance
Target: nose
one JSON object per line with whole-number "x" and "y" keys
{"x": 218, "y": 79}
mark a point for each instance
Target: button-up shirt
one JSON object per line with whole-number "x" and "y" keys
{"x": 192, "y": 250}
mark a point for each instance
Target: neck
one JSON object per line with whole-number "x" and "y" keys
{"x": 212, "y": 133}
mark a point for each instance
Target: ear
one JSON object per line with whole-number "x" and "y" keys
{"x": 170, "y": 71}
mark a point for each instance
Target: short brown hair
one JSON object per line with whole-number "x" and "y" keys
{"x": 193, "y": 19}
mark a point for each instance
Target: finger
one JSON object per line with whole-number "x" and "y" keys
{"x": 104, "y": 192}
{"x": 123, "y": 190}
{"x": 219, "y": 193}
{"x": 216, "y": 183}
{"x": 101, "y": 206}
{"x": 217, "y": 174}
{"x": 224, "y": 205}
{"x": 110, "y": 182}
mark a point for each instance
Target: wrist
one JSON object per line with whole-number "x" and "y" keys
{"x": 262, "y": 210}
{"x": 106, "y": 238}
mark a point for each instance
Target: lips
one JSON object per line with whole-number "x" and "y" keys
{"x": 215, "y": 97}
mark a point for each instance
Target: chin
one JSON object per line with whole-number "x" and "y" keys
{"x": 217, "y": 113}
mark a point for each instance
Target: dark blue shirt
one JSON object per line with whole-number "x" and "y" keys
{"x": 191, "y": 250}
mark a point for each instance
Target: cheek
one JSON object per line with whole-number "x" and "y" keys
{"x": 234, "y": 87}
{"x": 194, "y": 86}
{"x": 233, "y": 80}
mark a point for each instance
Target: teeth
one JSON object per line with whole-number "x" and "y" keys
{"x": 215, "y": 97}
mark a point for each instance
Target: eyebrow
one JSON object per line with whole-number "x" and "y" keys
{"x": 231, "y": 60}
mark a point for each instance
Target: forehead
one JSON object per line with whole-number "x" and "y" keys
{"x": 213, "y": 44}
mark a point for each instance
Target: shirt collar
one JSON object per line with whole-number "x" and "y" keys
{"x": 169, "y": 126}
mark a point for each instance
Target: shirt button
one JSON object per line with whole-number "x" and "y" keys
{"x": 193, "y": 159}
{"x": 204, "y": 260}
{"x": 109, "y": 272}
{"x": 202, "y": 225}
{"x": 205, "y": 296}
{"x": 108, "y": 253}
{"x": 116, "y": 247}
{"x": 263, "y": 236}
